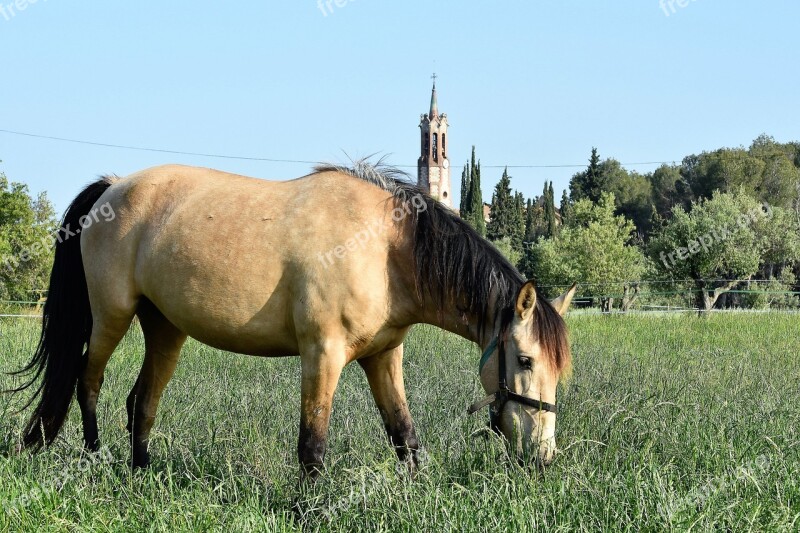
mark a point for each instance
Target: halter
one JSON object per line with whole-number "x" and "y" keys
{"x": 503, "y": 395}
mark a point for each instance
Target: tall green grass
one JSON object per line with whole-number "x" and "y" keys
{"x": 669, "y": 422}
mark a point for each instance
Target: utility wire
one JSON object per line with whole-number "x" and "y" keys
{"x": 270, "y": 159}
{"x": 158, "y": 150}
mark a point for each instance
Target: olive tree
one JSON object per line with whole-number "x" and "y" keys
{"x": 722, "y": 240}
{"x": 595, "y": 250}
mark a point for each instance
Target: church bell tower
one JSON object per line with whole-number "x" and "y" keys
{"x": 433, "y": 167}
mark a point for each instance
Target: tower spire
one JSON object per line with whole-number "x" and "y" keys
{"x": 434, "y": 112}
{"x": 433, "y": 167}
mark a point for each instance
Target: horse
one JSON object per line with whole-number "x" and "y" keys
{"x": 335, "y": 266}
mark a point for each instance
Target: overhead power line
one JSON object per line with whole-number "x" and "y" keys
{"x": 159, "y": 150}
{"x": 271, "y": 159}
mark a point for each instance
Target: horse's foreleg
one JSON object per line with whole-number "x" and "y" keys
{"x": 163, "y": 343}
{"x": 320, "y": 375}
{"x": 385, "y": 376}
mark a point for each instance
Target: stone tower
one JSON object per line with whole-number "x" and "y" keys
{"x": 433, "y": 167}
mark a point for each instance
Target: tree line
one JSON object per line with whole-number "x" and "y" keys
{"x": 27, "y": 225}
{"x": 700, "y": 226}
{"x": 705, "y": 226}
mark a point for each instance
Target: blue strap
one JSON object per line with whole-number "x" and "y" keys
{"x": 486, "y": 354}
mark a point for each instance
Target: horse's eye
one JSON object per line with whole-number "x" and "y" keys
{"x": 525, "y": 362}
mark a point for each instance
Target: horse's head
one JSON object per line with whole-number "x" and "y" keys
{"x": 521, "y": 370}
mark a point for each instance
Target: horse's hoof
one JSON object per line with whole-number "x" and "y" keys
{"x": 140, "y": 462}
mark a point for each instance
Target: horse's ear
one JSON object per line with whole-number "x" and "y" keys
{"x": 561, "y": 304}
{"x": 526, "y": 300}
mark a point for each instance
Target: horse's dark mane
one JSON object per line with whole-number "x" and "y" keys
{"x": 454, "y": 265}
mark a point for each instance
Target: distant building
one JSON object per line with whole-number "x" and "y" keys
{"x": 433, "y": 166}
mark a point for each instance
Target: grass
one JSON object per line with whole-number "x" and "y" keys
{"x": 673, "y": 423}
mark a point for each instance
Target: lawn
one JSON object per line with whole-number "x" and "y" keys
{"x": 669, "y": 422}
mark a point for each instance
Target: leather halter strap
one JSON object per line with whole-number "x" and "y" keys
{"x": 504, "y": 394}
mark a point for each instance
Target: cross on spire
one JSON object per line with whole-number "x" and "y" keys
{"x": 434, "y": 79}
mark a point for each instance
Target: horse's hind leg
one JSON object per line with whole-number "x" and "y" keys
{"x": 163, "y": 342}
{"x": 385, "y": 375}
{"x": 107, "y": 330}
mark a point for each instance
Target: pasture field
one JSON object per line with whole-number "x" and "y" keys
{"x": 669, "y": 423}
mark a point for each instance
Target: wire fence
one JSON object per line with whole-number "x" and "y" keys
{"x": 685, "y": 295}
{"x": 20, "y": 309}
{"x": 681, "y": 292}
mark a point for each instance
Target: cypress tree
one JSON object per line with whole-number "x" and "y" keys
{"x": 550, "y": 213}
{"x": 595, "y": 180}
{"x": 466, "y": 212}
{"x": 465, "y": 184}
{"x": 519, "y": 222}
{"x": 476, "y": 196}
{"x": 591, "y": 182}
{"x": 472, "y": 212}
{"x": 530, "y": 222}
{"x": 503, "y": 210}
{"x": 566, "y": 209}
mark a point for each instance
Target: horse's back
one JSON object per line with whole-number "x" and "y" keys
{"x": 244, "y": 264}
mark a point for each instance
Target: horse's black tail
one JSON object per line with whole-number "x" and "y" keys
{"x": 66, "y": 327}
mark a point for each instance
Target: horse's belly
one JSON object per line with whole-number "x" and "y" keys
{"x": 222, "y": 296}
{"x": 235, "y": 326}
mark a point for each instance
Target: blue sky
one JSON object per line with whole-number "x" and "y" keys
{"x": 529, "y": 82}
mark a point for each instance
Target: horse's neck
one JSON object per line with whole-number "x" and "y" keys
{"x": 464, "y": 324}
{"x": 411, "y": 309}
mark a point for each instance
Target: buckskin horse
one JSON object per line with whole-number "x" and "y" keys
{"x": 335, "y": 266}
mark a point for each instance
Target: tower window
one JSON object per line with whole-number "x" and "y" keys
{"x": 436, "y": 147}
{"x": 426, "y": 145}
{"x": 444, "y": 145}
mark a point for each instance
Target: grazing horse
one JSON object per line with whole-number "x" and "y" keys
{"x": 335, "y": 266}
